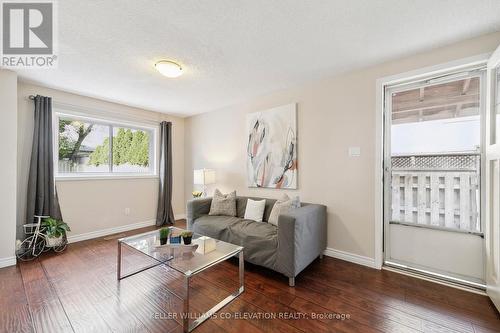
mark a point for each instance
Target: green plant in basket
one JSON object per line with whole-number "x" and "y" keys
{"x": 55, "y": 230}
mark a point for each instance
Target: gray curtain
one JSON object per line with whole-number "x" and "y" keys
{"x": 165, "y": 214}
{"x": 42, "y": 195}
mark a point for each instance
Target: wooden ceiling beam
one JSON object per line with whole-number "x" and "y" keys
{"x": 433, "y": 102}
{"x": 466, "y": 86}
{"x": 425, "y": 108}
{"x": 446, "y": 114}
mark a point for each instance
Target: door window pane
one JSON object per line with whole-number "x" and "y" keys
{"x": 438, "y": 118}
{"x": 435, "y": 155}
{"x": 83, "y": 146}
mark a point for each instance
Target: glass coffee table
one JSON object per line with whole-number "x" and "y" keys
{"x": 185, "y": 261}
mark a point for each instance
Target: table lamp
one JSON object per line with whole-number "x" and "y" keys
{"x": 204, "y": 177}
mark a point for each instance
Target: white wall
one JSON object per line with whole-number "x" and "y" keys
{"x": 92, "y": 205}
{"x": 8, "y": 167}
{"x": 333, "y": 115}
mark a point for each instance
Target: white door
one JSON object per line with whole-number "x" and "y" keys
{"x": 433, "y": 176}
{"x": 493, "y": 179}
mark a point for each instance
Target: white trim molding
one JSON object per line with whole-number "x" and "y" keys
{"x": 116, "y": 176}
{"x": 351, "y": 257}
{"x": 179, "y": 216}
{"x": 438, "y": 281}
{"x": 115, "y": 230}
{"x": 9, "y": 261}
{"x": 109, "y": 231}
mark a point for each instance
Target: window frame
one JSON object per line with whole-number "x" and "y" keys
{"x": 58, "y": 114}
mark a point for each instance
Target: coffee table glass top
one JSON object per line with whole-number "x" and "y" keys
{"x": 182, "y": 258}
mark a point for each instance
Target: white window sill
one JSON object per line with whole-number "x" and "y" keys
{"x": 104, "y": 177}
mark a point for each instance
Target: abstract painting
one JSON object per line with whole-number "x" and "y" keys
{"x": 272, "y": 148}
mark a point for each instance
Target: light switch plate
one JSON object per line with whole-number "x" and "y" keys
{"x": 354, "y": 151}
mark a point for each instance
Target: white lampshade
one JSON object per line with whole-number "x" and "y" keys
{"x": 204, "y": 177}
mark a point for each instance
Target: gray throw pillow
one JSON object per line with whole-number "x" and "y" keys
{"x": 281, "y": 206}
{"x": 223, "y": 204}
{"x": 296, "y": 202}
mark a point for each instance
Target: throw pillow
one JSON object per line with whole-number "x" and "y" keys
{"x": 255, "y": 210}
{"x": 223, "y": 204}
{"x": 280, "y": 206}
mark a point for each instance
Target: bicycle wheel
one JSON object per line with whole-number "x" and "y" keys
{"x": 30, "y": 249}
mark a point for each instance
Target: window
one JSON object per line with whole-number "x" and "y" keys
{"x": 92, "y": 147}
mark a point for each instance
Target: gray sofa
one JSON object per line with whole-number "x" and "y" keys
{"x": 289, "y": 248}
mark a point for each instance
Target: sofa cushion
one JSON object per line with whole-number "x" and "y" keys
{"x": 260, "y": 241}
{"x": 214, "y": 226}
{"x": 241, "y": 205}
{"x": 255, "y": 210}
{"x": 283, "y": 205}
{"x": 223, "y": 204}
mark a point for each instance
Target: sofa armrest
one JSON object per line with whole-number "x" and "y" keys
{"x": 195, "y": 209}
{"x": 301, "y": 238}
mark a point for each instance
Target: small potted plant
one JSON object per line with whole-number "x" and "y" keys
{"x": 197, "y": 194}
{"x": 55, "y": 231}
{"x": 164, "y": 235}
{"x": 187, "y": 236}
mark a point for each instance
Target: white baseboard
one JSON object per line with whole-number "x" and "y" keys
{"x": 9, "y": 261}
{"x": 351, "y": 257}
{"x": 115, "y": 230}
{"x": 109, "y": 231}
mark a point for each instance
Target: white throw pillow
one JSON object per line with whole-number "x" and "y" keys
{"x": 281, "y": 206}
{"x": 255, "y": 210}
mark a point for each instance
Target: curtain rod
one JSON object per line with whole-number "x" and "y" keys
{"x": 32, "y": 97}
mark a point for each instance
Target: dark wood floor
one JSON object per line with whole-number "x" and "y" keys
{"x": 77, "y": 291}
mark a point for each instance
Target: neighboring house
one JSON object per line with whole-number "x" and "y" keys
{"x": 80, "y": 163}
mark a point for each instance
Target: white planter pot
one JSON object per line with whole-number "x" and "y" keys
{"x": 53, "y": 241}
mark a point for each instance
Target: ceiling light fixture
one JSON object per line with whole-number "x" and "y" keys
{"x": 169, "y": 68}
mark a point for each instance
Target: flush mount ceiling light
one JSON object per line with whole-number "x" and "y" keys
{"x": 169, "y": 68}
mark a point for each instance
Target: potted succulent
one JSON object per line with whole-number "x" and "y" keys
{"x": 55, "y": 231}
{"x": 164, "y": 235}
{"x": 187, "y": 236}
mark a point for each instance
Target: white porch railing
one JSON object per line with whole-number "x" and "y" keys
{"x": 437, "y": 190}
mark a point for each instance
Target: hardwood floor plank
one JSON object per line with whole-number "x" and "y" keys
{"x": 47, "y": 313}
{"x": 14, "y": 314}
{"x": 117, "y": 315}
{"x": 16, "y": 318}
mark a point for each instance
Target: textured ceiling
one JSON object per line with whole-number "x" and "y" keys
{"x": 233, "y": 50}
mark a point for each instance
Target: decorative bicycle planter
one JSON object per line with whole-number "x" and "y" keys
{"x": 38, "y": 240}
